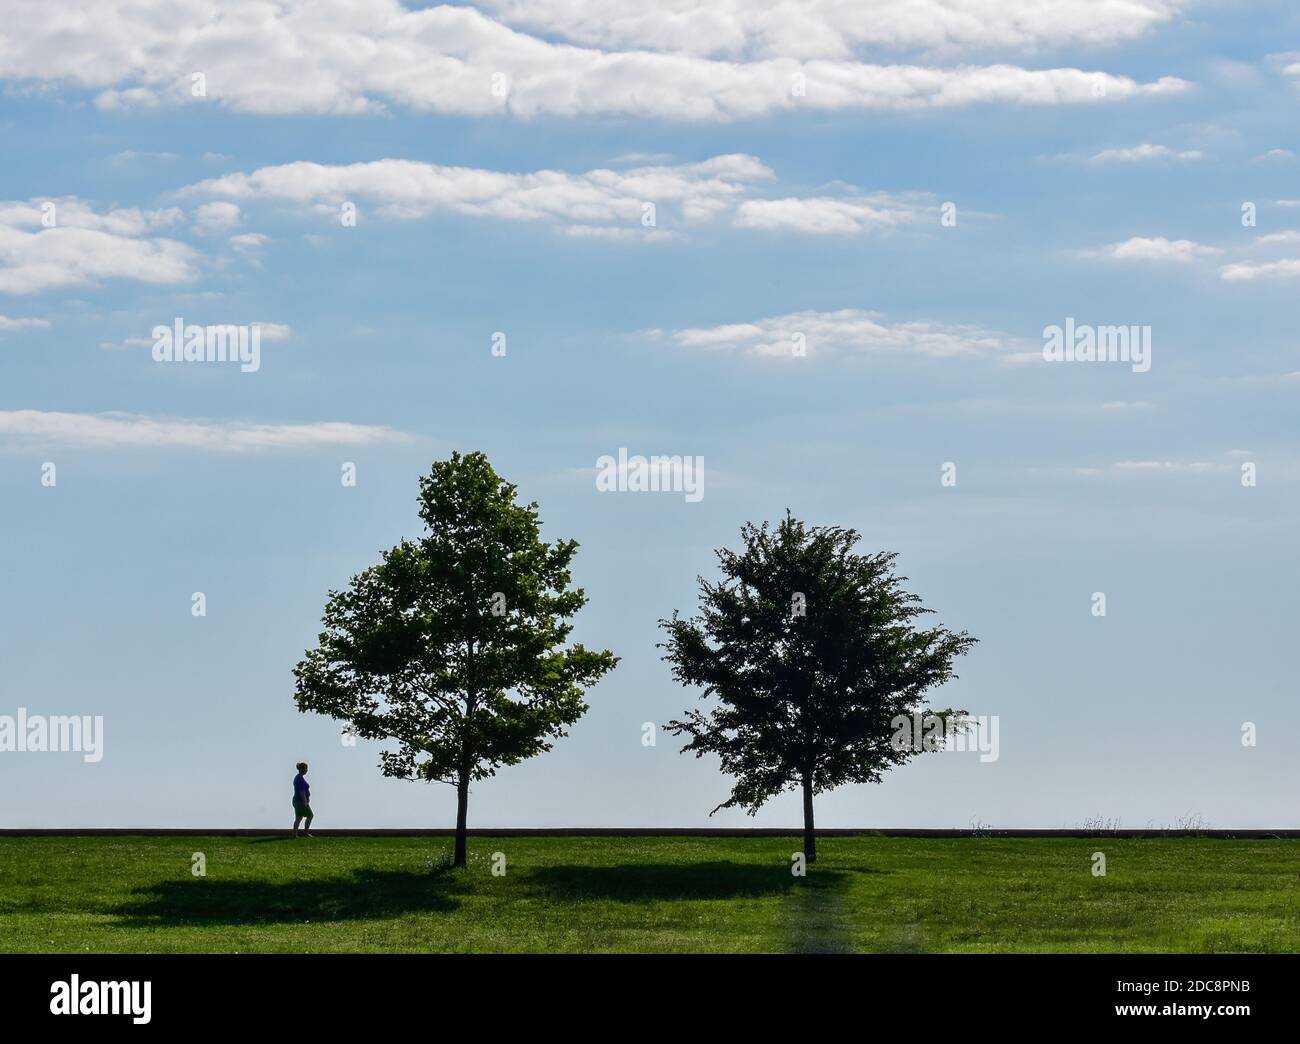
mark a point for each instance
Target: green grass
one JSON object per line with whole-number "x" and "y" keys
{"x": 660, "y": 894}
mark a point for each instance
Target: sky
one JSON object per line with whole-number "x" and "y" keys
{"x": 816, "y": 245}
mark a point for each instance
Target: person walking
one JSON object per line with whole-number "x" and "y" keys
{"x": 301, "y": 801}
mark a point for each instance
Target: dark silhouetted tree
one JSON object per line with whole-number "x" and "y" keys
{"x": 813, "y": 656}
{"x": 453, "y": 645}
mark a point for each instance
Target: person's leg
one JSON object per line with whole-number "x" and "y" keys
{"x": 296, "y": 821}
{"x": 306, "y": 827}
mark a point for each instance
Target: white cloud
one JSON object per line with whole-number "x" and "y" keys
{"x": 848, "y": 331}
{"x": 274, "y": 331}
{"x": 1288, "y": 64}
{"x": 295, "y": 57}
{"x": 1249, "y": 271}
{"x": 1139, "y": 248}
{"x": 133, "y": 156}
{"x": 597, "y": 204}
{"x": 129, "y": 430}
{"x": 70, "y": 212}
{"x": 249, "y": 242}
{"x": 269, "y": 332}
{"x": 1149, "y": 467}
{"x": 1275, "y": 238}
{"x": 130, "y": 98}
{"x": 1171, "y": 466}
{"x": 8, "y": 325}
{"x": 220, "y": 216}
{"x": 84, "y": 247}
{"x": 833, "y": 28}
{"x": 647, "y": 235}
{"x": 834, "y": 215}
{"x": 598, "y": 200}
{"x": 1143, "y": 153}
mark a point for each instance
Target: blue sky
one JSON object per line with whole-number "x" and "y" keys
{"x": 1098, "y": 157}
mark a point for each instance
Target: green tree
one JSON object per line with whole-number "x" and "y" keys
{"x": 453, "y": 645}
{"x": 813, "y": 657}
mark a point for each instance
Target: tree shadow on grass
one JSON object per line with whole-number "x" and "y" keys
{"x": 365, "y": 895}
{"x": 648, "y": 882}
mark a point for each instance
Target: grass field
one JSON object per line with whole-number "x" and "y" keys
{"x": 655, "y": 894}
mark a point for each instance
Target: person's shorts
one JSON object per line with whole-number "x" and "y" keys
{"x": 301, "y": 809}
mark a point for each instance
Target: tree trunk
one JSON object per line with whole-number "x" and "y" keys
{"x": 462, "y": 808}
{"x": 809, "y": 833}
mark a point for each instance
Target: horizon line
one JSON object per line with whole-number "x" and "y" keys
{"x": 1226, "y": 833}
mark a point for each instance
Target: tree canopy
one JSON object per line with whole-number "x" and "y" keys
{"x": 454, "y": 644}
{"x": 809, "y": 653}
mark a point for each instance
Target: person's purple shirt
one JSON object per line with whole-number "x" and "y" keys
{"x": 301, "y": 792}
